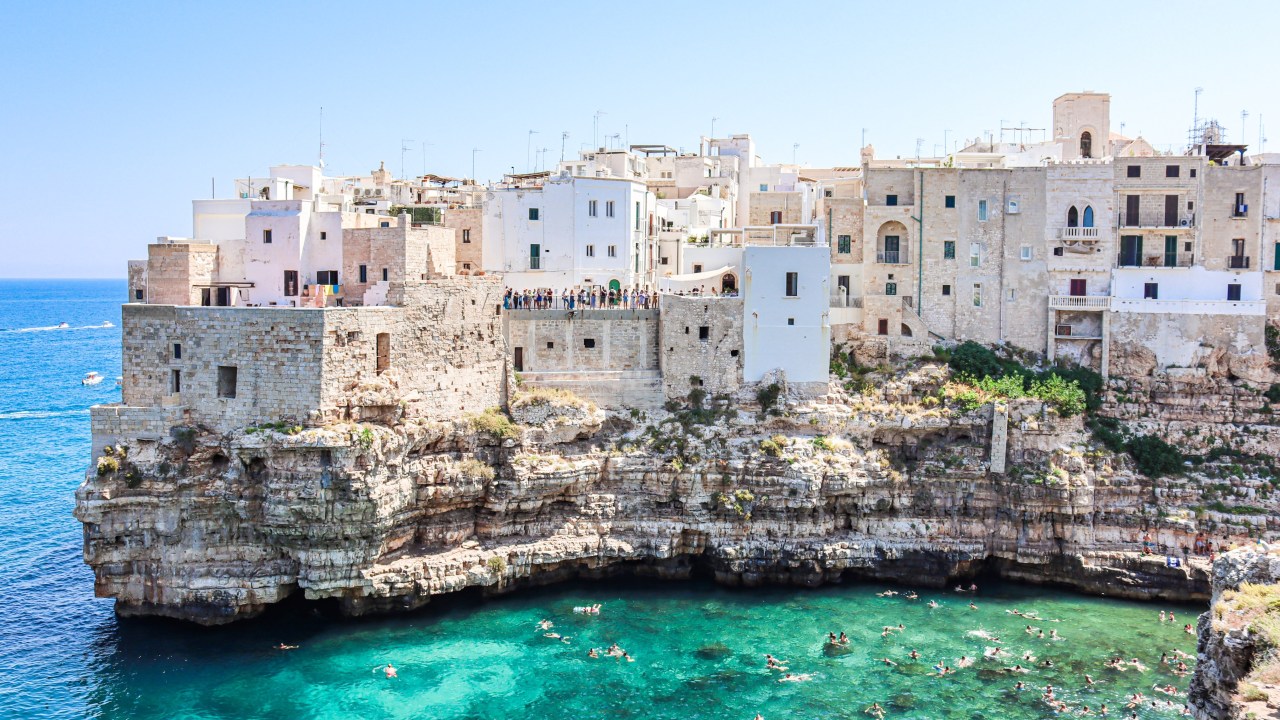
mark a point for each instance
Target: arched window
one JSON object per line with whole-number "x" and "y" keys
{"x": 1073, "y": 217}
{"x": 1086, "y": 145}
{"x": 1088, "y": 216}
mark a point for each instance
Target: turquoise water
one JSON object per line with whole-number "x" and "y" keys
{"x": 698, "y": 649}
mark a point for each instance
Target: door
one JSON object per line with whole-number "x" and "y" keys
{"x": 1131, "y": 211}
{"x": 842, "y": 290}
{"x": 1077, "y": 287}
{"x": 883, "y": 327}
{"x": 519, "y": 359}
{"x": 891, "y": 248}
{"x": 1170, "y": 250}
{"x": 1088, "y": 216}
{"x": 1130, "y": 250}
{"x": 535, "y": 256}
{"x": 224, "y": 297}
{"x": 1171, "y": 211}
{"x": 291, "y": 283}
{"x": 206, "y": 297}
{"x": 1073, "y": 217}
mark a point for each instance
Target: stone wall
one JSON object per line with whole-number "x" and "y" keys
{"x": 467, "y": 224}
{"x": 763, "y": 204}
{"x": 715, "y": 359}
{"x": 137, "y": 281}
{"x": 395, "y": 254}
{"x": 583, "y": 340}
{"x": 173, "y": 269}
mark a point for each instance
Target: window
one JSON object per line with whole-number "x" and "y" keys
{"x": 368, "y": 211}
{"x": 551, "y": 345}
{"x": 226, "y": 381}
{"x": 637, "y": 214}
{"x": 266, "y": 237}
{"x": 613, "y": 251}
{"x": 697, "y": 268}
{"x": 946, "y": 290}
{"x": 588, "y": 343}
{"x": 891, "y": 200}
{"x": 384, "y": 224}
{"x": 775, "y": 217}
{"x": 982, "y": 210}
{"x": 327, "y": 277}
{"x": 324, "y": 235}
{"x": 383, "y": 346}
{"x": 1240, "y": 209}
{"x": 466, "y": 266}
{"x": 535, "y": 256}
{"x": 1151, "y": 291}
{"x": 175, "y": 381}
{"x": 591, "y": 208}
{"x": 793, "y": 284}
{"x": 290, "y": 283}
{"x": 1233, "y": 291}
{"x": 466, "y": 235}
{"x": 975, "y": 254}
{"x": 948, "y": 249}
{"x": 882, "y": 327}
{"x": 977, "y": 294}
{"x": 1086, "y": 144}
{"x": 384, "y": 274}
{"x": 844, "y": 244}
{"x": 663, "y": 261}
{"x": 791, "y": 321}
{"x": 533, "y": 213}
{"x": 891, "y": 288}
{"x": 1134, "y": 171}
{"x": 1011, "y": 295}
{"x": 364, "y": 273}
{"x": 591, "y": 251}
{"x": 826, "y": 193}
{"x": 949, "y": 201}
{"x": 764, "y": 187}
{"x": 1171, "y": 171}
{"x": 1078, "y": 286}
{"x": 224, "y": 297}
{"x": 177, "y": 351}
{"x": 1024, "y": 252}
{"x": 1073, "y": 217}
{"x": 1088, "y": 216}
{"x": 1193, "y": 172}
{"x": 1275, "y": 262}
{"x": 704, "y": 332}
{"x": 137, "y": 294}
{"x": 1057, "y": 252}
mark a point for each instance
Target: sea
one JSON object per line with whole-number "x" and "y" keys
{"x": 696, "y": 650}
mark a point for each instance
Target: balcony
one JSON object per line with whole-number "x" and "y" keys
{"x": 1079, "y": 302}
{"x": 1157, "y": 220}
{"x": 1086, "y": 234}
{"x": 535, "y": 263}
{"x": 892, "y": 257}
{"x": 1238, "y": 262}
{"x": 1182, "y": 260}
{"x": 842, "y": 300}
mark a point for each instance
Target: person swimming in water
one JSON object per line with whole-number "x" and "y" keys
{"x": 282, "y": 646}
{"x": 844, "y": 639}
{"x": 888, "y": 662}
{"x": 933, "y": 603}
{"x": 390, "y": 671}
{"x": 592, "y": 653}
{"x": 913, "y": 654}
{"x": 875, "y": 710}
{"x": 546, "y": 625}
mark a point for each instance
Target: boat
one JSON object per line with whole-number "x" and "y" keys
{"x": 107, "y": 324}
{"x": 63, "y": 326}
{"x": 91, "y": 378}
{"x": 119, "y": 381}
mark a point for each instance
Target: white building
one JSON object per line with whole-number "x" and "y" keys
{"x": 786, "y": 287}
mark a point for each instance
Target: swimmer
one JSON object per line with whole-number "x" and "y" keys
{"x": 1053, "y": 635}
{"x": 553, "y": 636}
{"x": 759, "y": 716}
{"x": 1030, "y": 630}
{"x": 1047, "y": 663}
{"x": 390, "y": 671}
{"x": 1040, "y": 635}
{"x": 1020, "y": 687}
{"x": 1172, "y": 619}
{"x": 946, "y": 670}
{"x": 1048, "y": 692}
{"x": 1028, "y": 657}
{"x": 912, "y": 596}
{"x": 1182, "y": 655}
{"x": 875, "y": 710}
{"x": 1161, "y": 616}
{"x": 1188, "y": 630}
{"x": 1164, "y": 658}
{"x": 1088, "y": 680}
{"x": 913, "y": 654}
{"x": 565, "y": 639}
{"x": 1167, "y": 689}
{"x": 1085, "y": 710}
{"x": 992, "y": 653}
{"x": 972, "y": 606}
{"x": 546, "y": 625}
{"x": 1017, "y": 669}
{"x": 282, "y": 646}
{"x": 627, "y": 657}
{"x": 1138, "y": 664}
{"x": 593, "y": 654}
{"x": 1181, "y": 669}
{"x": 844, "y": 639}
{"x": 795, "y": 678}
{"x": 888, "y": 662}
{"x": 964, "y": 661}
{"x": 933, "y": 603}
{"x": 1103, "y": 710}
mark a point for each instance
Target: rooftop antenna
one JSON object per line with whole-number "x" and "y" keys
{"x": 919, "y": 142}
{"x": 615, "y": 136}
{"x": 473, "y": 164}
{"x": 864, "y": 138}
{"x": 595, "y": 129}
{"x": 542, "y": 163}
{"x": 404, "y": 147}
{"x": 322, "y": 137}
{"x": 564, "y": 135}
{"x": 794, "y": 147}
{"x": 424, "y": 156}
{"x": 945, "y": 133}
{"x": 1243, "y": 115}
{"x": 713, "y": 127}
{"x": 1262, "y": 139}
{"x": 528, "y": 150}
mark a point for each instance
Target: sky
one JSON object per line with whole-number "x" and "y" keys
{"x": 114, "y": 116}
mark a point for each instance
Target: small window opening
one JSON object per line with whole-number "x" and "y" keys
{"x": 227, "y": 381}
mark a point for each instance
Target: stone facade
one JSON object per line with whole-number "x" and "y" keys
{"x": 396, "y": 254}
{"x": 702, "y": 338}
{"x": 762, "y": 205}
{"x": 467, "y": 224}
{"x": 177, "y": 272}
{"x": 583, "y": 341}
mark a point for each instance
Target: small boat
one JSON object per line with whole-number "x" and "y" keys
{"x": 91, "y": 378}
{"x": 106, "y": 324}
{"x": 63, "y": 326}
{"x": 119, "y": 381}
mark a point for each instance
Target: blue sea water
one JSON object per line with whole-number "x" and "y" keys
{"x": 698, "y": 648}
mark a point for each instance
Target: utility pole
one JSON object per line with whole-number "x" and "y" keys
{"x": 473, "y": 164}
{"x": 945, "y": 133}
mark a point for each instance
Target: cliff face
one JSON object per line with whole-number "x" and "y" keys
{"x": 212, "y": 527}
{"x": 1237, "y": 675}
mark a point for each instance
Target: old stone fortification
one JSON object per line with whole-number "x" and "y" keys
{"x": 212, "y": 523}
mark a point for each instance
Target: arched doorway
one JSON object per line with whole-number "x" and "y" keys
{"x": 1073, "y": 217}
{"x": 615, "y": 285}
{"x": 1088, "y": 216}
{"x": 1086, "y": 144}
{"x": 728, "y": 283}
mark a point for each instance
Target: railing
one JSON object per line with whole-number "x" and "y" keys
{"x": 892, "y": 257}
{"x": 839, "y": 300}
{"x": 1157, "y": 261}
{"x": 1156, "y": 219}
{"x": 535, "y": 263}
{"x": 1078, "y": 233}
{"x": 1238, "y": 262}
{"x": 1079, "y": 302}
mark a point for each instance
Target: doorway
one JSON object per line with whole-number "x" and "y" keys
{"x": 519, "y": 359}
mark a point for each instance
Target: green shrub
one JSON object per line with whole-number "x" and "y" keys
{"x": 1273, "y": 343}
{"x": 975, "y": 360}
{"x": 1107, "y": 431}
{"x": 1065, "y": 396}
{"x": 1273, "y": 393}
{"x": 770, "y": 448}
{"x": 821, "y": 443}
{"x": 1154, "y": 456}
{"x": 768, "y": 396}
{"x": 497, "y": 564}
{"x": 476, "y": 470}
{"x": 495, "y": 423}
{"x": 107, "y": 464}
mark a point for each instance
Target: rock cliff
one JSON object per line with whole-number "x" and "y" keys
{"x": 894, "y": 483}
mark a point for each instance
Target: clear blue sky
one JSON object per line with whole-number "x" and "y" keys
{"x": 116, "y": 115}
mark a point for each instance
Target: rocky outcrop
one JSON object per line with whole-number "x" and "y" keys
{"x": 1232, "y": 642}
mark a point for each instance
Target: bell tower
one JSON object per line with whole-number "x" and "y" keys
{"x": 1082, "y": 123}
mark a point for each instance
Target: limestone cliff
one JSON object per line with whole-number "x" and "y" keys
{"x": 894, "y": 483}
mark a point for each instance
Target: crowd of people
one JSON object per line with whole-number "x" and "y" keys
{"x": 597, "y": 297}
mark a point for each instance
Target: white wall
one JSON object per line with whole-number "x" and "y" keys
{"x": 801, "y": 350}
{"x": 1194, "y": 283}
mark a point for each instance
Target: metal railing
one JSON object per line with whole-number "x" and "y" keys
{"x": 1079, "y": 302}
{"x": 535, "y": 263}
{"x": 892, "y": 257}
{"x": 1162, "y": 260}
{"x": 1156, "y": 219}
{"x": 1078, "y": 233}
{"x": 1238, "y": 262}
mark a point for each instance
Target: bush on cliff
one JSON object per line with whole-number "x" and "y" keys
{"x": 493, "y": 422}
{"x": 975, "y": 360}
{"x": 1154, "y": 456}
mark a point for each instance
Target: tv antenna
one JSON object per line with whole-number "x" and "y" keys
{"x": 528, "y": 150}
{"x": 564, "y": 135}
{"x": 321, "y": 137}
{"x": 404, "y": 147}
